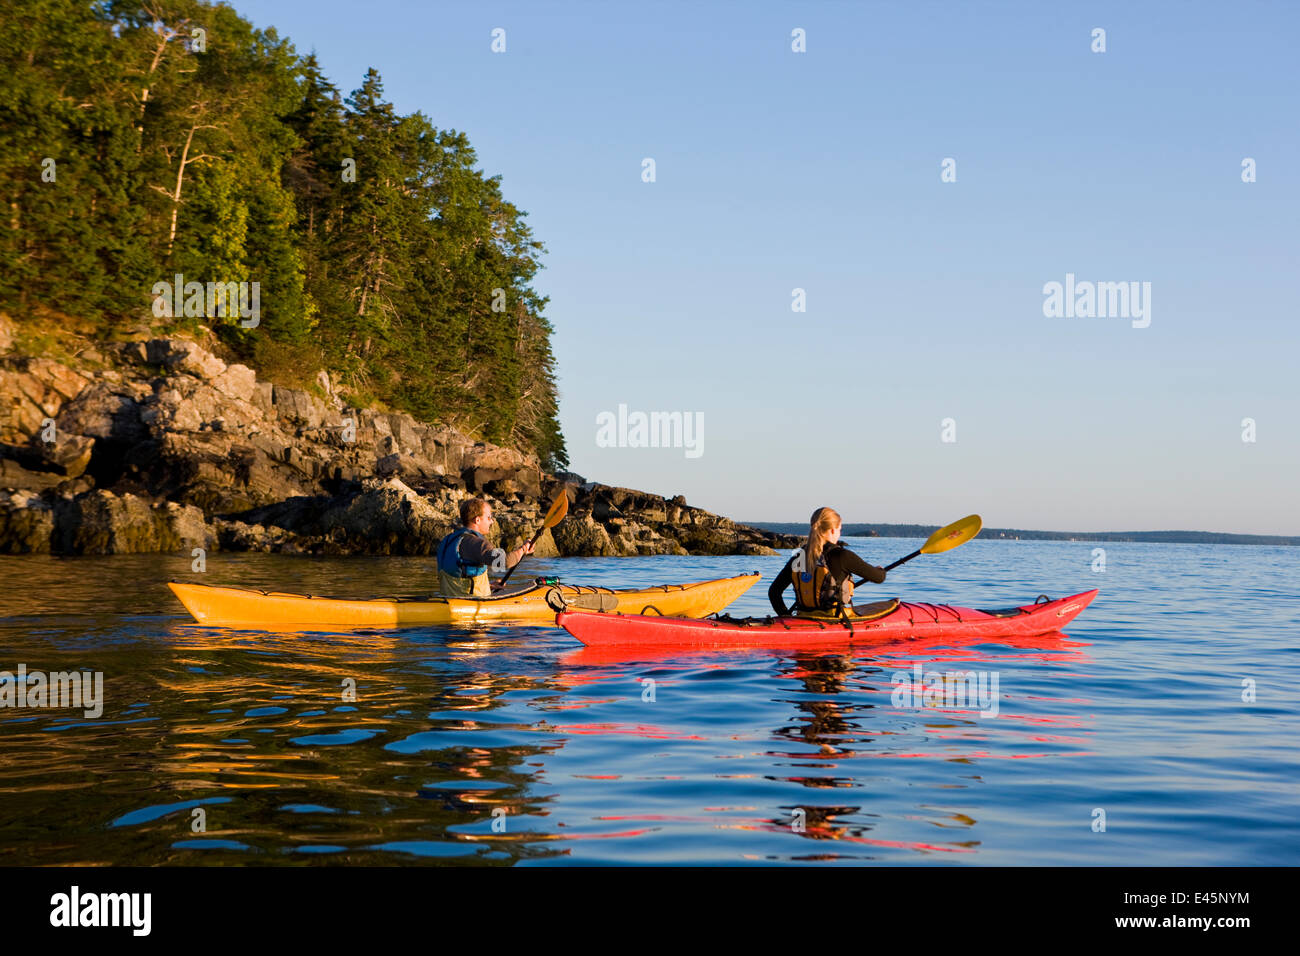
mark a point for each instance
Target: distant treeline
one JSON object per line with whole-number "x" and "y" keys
{"x": 139, "y": 140}
{"x": 1151, "y": 537}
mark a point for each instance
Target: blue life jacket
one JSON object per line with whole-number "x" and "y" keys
{"x": 449, "y": 559}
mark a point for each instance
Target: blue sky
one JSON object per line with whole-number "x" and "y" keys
{"x": 821, "y": 171}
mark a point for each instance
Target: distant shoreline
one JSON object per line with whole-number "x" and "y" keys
{"x": 1011, "y": 534}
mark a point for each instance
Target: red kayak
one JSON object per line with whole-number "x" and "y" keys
{"x": 885, "y": 621}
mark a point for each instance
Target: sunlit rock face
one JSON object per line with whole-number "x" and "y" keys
{"x": 160, "y": 445}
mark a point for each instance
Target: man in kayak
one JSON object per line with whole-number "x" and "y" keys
{"x": 821, "y": 571}
{"x": 465, "y": 556}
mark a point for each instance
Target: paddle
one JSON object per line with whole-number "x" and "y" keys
{"x": 559, "y": 508}
{"x": 945, "y": 539}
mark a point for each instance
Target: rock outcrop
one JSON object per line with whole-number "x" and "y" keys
{"x": 161, "y": 445}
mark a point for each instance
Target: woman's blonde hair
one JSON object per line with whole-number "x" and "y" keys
{"x": 823, "y": 521}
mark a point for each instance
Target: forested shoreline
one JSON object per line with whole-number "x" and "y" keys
{"x": 144, "y": 140}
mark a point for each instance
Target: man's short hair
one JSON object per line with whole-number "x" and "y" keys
{"x": 470, "y": 509}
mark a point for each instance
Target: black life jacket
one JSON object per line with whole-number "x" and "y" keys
{"x": 814, "y": 589}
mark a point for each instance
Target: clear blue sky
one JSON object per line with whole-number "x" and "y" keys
{"x": 821, "y": 171}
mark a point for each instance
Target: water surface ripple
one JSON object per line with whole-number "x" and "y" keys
{"x": 514, "y": 745}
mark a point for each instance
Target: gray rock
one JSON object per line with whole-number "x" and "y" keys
{"x": 297, "y": 407}
{"x": 26, "y": 523}
{"x": 581, "y": 535}
{"x": 237, "y": 381}
{"x": 136, "y": 353}
{"x": 207, "y": 438}
{"x": 68, "y": 456}
{"x": 182, "y": 355}
{"x": 103, "y": 523}
{"x": 104, "y": 411}
{"x": 391, "y": 517}
{"x": 14, "y": 477}
{"x": 261, "y": 398}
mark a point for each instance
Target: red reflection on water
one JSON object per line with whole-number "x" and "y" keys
{"x": 975, "y": 755}
{"x": 660, "y": 818}
{"x": 580, "y": 705}
{"x": 1054, "y": 648}
{"x": 531, "y": 837}
{"x": 634, "y": 730}
{"x": 831, "y": 833}
{"x": 838, "y": 673}
{"x": 605, "y": 836}
{"x": 1045, "y": 719}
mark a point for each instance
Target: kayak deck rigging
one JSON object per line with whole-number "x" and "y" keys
{"x": 887, "y": 620}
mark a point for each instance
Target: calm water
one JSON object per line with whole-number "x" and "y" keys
{"x": 748, "y": 755}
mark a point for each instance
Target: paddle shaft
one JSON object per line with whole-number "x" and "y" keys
{"x": 944, "y": 539}
{"x": 890, "y": 567}
{"x": 531, "y": 542}
{"x": 914, "y": 554}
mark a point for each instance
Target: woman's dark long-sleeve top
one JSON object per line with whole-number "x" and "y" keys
{"x": 839, "y": 560}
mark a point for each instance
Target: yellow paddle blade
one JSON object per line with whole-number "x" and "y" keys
{"x": 953, "y": 535}
{"x": 559, "y": 508}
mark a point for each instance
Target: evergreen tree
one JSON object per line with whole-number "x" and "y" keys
{"x": 141, "y": 138}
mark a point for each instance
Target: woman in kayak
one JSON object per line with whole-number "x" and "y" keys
{"x": 464, "y": 556}
{"x": 822, "y": 570}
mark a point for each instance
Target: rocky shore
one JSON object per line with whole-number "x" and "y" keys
{"x": 160, "y": 445}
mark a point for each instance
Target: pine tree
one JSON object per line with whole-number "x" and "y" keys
{"x": 139, "y": 138}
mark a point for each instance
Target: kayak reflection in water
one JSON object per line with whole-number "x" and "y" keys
{"x": 821, "y": 571}
{"x": 464, "y": 556}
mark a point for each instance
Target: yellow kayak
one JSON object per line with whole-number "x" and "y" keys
{"x": 247, "y": 608}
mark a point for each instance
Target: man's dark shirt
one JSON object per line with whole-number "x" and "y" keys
{"x": 475, "y": 549}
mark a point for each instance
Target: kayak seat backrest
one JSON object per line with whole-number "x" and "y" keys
{"x": 593, "y": 602}
{"x": 861, "y": 612}
{"x": 869, "y": 612}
